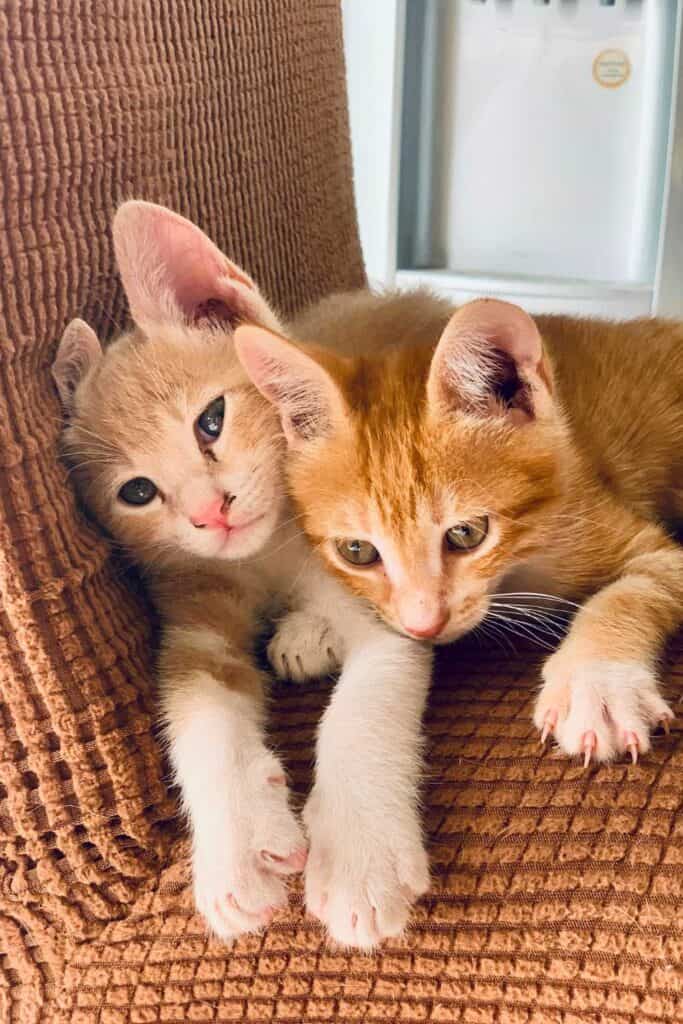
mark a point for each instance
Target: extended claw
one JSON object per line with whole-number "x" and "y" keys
{"x": 631, "y": 743}
{"x": 588, "y": 745}
{"x": 666, "y": 724}
{"x": 549, "y": 723}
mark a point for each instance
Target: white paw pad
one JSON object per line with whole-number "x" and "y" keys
{"x": 305, "y": 646}
{"x": 600, "y": 709}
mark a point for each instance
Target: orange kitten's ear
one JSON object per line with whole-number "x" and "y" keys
{"x": 490, "y": 361}
{"x": 172, "y": 272}
{"x": 307, "y": 398}
{"x": 78, "y": 351}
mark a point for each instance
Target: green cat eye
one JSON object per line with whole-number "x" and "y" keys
{"x": 210, "y": 423}
{"x": 138, "y": 491}
{"x": 469, "y": 535}
{"x": 357, "y": 552}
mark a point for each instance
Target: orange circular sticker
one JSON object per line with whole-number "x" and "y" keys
{"x": 611, "y": 68}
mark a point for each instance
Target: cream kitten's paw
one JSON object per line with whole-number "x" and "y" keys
{"x": 599, "y": 709}
{"x": 240, "y": 864}
{"x": 305, "y": 646}
{"x": 362, "y": 877}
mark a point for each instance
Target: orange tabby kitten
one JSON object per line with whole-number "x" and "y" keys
{"x": 459, "y": 465}
{"x": 181, "y": 459}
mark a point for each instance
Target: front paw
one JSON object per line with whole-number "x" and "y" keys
{"x": 599, "y": 709}
{"x": 363, "y": 876}
{"x": 240, "y": 868}
{"x": 305, "y": 646}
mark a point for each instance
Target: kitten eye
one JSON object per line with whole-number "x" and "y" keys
{"x": 138, "y": 491}
{"x": 467, "y": 536}
{"x": 357, "y": 552}
{"x": 210, "y": 423}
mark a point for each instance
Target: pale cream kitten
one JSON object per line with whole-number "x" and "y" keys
{"x": 181, "y": 459}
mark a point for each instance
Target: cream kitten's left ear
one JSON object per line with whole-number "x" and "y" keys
{"x": 78, "y": 352}
{"x": 172, "y": 272}
{"x": 306, "y": 396}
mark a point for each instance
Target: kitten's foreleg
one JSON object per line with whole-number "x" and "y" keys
{"x": 367, "y": 862}
{"x": 245, "y": 836}
{"x": 308, "y": 642}
{"x": 600, "y": 696}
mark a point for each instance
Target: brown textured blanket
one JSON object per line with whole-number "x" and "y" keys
{"x": 558, "y": 895}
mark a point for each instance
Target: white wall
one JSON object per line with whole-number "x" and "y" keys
{"x": 374, "y": 54}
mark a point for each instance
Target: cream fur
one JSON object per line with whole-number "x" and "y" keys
{"x": 133, "y": 412}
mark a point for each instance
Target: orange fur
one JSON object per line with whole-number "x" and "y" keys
{"x": 583, "y": 498}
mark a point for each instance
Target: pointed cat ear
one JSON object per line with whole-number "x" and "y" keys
{"x": 304, "y": 393}
{"x": 490, "y": 361}
{"x": 172, "y": 272}
{"x": 78, "y": 351}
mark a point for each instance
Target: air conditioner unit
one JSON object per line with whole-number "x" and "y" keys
{"x": 534, "y": 153}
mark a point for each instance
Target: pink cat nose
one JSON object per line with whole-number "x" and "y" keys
{"x": 427, "y": 630}
{"x": 213, "y": 514}
{"x": 422, "y": 612}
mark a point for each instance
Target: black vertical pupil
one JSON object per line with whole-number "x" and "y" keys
{"x": 211, "y": 420}
{"x": 138, "y": 491}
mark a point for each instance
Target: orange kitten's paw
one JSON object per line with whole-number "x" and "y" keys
{"x": 305, "y": 646}
{"x": 362, "y": 877}
{"x": 599, "y": 709}
{"x": 240, "y": 870}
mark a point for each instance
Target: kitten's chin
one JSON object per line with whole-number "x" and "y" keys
{"x": 245, "y": 539}
{"x": 240, "y": 541}
{"x": 459, "y": 629}
{"x": 449, "y": 636}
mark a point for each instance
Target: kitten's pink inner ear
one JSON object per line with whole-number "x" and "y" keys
{"x": 505, "y": 326}
{"x": 78, "y": 351}
{"x": 172, "y": 271}
{"x": 490, "y": 356}
{"x": 302, "y": 391}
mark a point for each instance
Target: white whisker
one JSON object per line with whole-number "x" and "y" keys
{"x": 520, "y": 628}
{"x": 501, "y": 638}
{"x": 540, "y": 596}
